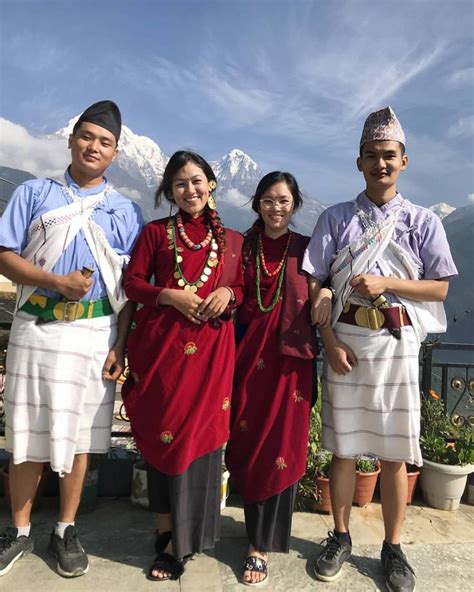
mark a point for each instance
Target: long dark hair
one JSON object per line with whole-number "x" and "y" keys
{"x": 251, "y": 235}
{"x": 175, "y": 164}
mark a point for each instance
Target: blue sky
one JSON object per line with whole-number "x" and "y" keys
{"x": 290, "y": 83}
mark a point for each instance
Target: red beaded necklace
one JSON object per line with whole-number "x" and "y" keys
{"x": 262, "y": 257}
{"x": 185, "y": 238}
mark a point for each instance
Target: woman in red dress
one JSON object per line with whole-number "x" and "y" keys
{"x": 274, "y": 374}
{"x": 181, "y": 358}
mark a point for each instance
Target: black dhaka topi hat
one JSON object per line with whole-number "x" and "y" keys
{"x": 105, "y": 114}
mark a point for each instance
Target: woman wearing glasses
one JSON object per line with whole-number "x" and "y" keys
{"x": 274, "y": 373}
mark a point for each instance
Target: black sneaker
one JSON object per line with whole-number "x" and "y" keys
{"x": 71, "y": 557}
{"x": 399, "y": 576}
{"x": 328, "y": 564}
{"x": 12, "y": 547}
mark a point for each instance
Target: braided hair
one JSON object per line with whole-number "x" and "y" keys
{"x": 177, "y": 162}
{"x": 251, "y": 235}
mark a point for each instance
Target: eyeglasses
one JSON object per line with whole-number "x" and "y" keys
{"x": 268, "y": 204}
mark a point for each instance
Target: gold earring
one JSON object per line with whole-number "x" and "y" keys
{"x": 211, "y": 202}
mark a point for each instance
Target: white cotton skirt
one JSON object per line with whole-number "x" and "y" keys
{"x": 56, "y": 403}
{"x": 375, "y": 409}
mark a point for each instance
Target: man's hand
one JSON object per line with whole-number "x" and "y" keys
{"x": 341, "y": 358}
{"x": 369, "y": 285}
{"x": 74, "y": 286}
{"x": 114, "y": 364}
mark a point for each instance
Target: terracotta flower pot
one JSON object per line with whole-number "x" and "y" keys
{"x": 412, "y": 475}
{"x": 324, "y": 505}
{"x": 365, "y": 487}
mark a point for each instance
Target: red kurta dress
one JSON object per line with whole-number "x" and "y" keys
{"x": 180, "y": 407}
{"x": 272, "y": 393}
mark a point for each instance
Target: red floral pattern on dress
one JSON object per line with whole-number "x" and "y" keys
{"x": 190, "y": 348}
{"x": 166, "y": 437}
{"x": 260, "y": 364}
{"x": 226, "y": 404}
{"x": 280, "y": 463}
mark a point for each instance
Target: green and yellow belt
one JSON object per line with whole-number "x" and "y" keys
{"x": 52, "y": 309}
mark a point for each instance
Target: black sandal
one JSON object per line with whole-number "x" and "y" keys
{"x": 165, "y": 561}
{"x": 256, "y": 564}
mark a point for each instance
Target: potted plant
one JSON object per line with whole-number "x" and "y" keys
{"x": 413, "y": 472}
{"x": 448, "y": 456}
{"x": 307, "y": 493}
{"x": 321, "y": 477}
{"x": 367, "y": 472}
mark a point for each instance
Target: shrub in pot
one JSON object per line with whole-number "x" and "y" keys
{"x": 321, "y": 478}
{"x": 307, "y": 493}
{"x": 413, "y": 472}
{"x": 448, "y": 457}
{"x": 367, "y": 472}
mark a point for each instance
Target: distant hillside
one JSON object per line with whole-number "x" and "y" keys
{"x": 9, "y": 179}
{"x": 460, "y": 302}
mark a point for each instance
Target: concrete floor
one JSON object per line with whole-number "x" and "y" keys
{"x": 119, "y": 540}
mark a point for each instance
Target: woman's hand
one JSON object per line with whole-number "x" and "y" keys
{"x": 214, "y": 304}
{"x": 321, "y": 308}
{"x": 187, "y": 303}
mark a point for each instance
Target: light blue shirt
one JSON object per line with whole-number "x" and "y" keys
{"x": 119, "y": 217}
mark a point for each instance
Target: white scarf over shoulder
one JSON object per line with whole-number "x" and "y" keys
{"x": 375, "y": 246}
{"x": 50, "y": 235}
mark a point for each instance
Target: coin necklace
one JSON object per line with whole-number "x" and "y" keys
{"x": 280, "y": 269}
{"x": 211, "y": 261}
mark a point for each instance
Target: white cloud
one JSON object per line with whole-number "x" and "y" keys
{"x": 464, "y": 127}
{"x": 463, "y": 77}
{"x": 234, "y": 197}
{"x": 470, "y": 197}
{"x": 42, "y": 157}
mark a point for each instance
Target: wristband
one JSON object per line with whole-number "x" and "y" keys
{"x": 232, "y": 295}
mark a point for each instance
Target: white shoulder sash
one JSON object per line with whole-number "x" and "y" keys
{"x": 50, "y": 235}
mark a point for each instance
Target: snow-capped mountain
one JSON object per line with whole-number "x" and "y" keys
{"x": 139, "y": 166}
{"x": 442, "y": 210}
{"x": 236, "y": 170}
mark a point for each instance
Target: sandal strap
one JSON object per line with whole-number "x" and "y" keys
{"x": 162, "y": 540}
{"x": 257, "y": 564}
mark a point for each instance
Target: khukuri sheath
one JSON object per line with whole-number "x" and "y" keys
{"x": 178, "y": 394}
{"x": 266, "y": 453}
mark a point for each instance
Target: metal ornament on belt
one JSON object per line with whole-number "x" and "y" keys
{"x": 68, "y": 311}
{"x": 369, "y": 317}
